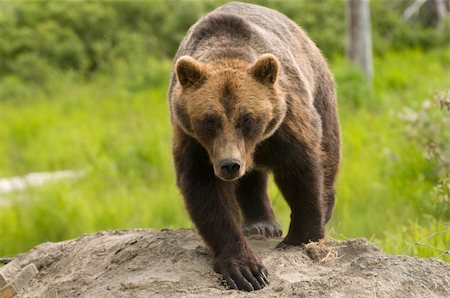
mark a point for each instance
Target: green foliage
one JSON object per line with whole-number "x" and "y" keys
{"x": 91, "y": 37}
{"x": 429, "y": 128}
{"x": 88, "y": 37}
{"x": 121, "y": 140}
{"x": 353, "y": 90}
{"x": 391, "y": 31}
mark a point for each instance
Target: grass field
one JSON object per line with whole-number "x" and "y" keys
{"x": 120, "y": 134}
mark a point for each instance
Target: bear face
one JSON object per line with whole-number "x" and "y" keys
{"x": 229, "y": 107}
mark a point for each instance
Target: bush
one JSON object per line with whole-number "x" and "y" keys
{"x": 429, "y": 128}
{"x": 91, "y": 38}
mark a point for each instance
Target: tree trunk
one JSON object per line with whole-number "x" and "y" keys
{"x": 359, "y": 36}
{"x": 433, "y": 12}
{"x": 441, "y": 12}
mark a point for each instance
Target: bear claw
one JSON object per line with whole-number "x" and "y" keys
{"x": 267, "y": 229}
{"x": 283, "y": 245}
{"x": 246, "y": 279}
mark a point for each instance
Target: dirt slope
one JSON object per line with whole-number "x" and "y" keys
{"x": 151, "y": 263}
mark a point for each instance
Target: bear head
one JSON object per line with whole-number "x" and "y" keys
{"x": 229, "y": 106}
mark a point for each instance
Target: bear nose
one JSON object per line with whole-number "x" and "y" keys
{"x": 230, "y": 167}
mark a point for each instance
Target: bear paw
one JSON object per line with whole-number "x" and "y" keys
{"x": 265, "y": 228}
{"x": 298, "y": 241}
{"x": 248, "y": 275}
{"x": 286, "y": 244}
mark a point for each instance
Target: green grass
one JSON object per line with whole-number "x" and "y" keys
{"x": 120, "y": 134}
{"x": 385, "y": 183}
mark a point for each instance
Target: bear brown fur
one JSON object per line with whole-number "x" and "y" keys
{"x": 251, "y": 93}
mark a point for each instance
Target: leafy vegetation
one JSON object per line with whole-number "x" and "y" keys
{"x": 94, "y": 37}
{"x": 85, "y": 88}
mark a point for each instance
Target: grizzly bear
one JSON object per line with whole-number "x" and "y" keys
{"x": 251, "y": 93}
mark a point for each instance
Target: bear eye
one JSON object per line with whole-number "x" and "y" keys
{"x": 209, "y": 126}
{"x": 248, "y": 125}
{"x": 247, "y": 121}
{"x": 210, "y": 122}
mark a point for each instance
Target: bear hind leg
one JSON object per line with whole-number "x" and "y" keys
{"x": 251, "y": 194}
{"x": 329, "y": 205}
{"x": 330, "y": 172}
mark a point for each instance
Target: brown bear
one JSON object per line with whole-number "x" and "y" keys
{"x": 251, "y": 93}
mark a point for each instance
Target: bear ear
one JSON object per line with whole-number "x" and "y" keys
{"x": 265, "y": 70}
{"x": 189, "y": 72}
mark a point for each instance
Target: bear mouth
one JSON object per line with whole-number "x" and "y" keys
{"x": 228, "y": 179}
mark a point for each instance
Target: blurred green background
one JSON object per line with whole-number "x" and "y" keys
{"x": 83, "y": 86}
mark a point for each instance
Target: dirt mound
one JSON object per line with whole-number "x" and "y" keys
{"x": 151, "y": 263}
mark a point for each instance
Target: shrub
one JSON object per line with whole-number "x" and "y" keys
{"x": 429, "y": 128}
{"x": 93, "y": 38}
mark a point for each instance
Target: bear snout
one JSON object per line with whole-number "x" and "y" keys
{"x": 230, "y": 167}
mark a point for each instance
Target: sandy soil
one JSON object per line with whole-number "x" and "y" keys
{"x": 152, "y": 263}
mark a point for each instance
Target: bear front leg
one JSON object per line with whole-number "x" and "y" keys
{"x": 299, "y": 176}
{"x": 212, "y": 207}
{"x": 251, "y": 193}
